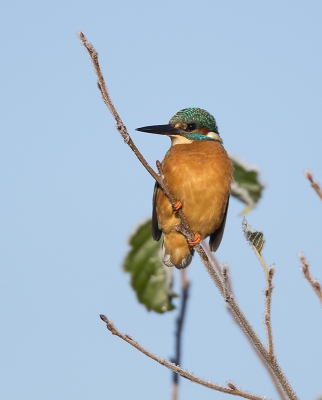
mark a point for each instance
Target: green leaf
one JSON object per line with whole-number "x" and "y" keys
{"x": 255, "y": 238}
{"x": 247, "y": 186}
{"x": 150, "y": 278}
{"x": 257, "y": 241}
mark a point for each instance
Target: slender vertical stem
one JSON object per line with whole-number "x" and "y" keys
{"x": 267, "y": 315}
{"x": 185, "y": 285}
{"x": 229, "y": 290}
{"x": 225, "y": 276}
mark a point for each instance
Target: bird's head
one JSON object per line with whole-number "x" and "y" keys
{"x": 187, "y": 126}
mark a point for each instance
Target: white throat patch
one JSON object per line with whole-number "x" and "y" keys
{"x": 215, "y": 136}
{"x": 176, "y": 139}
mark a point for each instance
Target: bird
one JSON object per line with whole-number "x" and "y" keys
{"x": 199, "y": 173}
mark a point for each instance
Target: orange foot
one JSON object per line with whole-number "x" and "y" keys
{"x": 177, "y": 206}
{"x": 196, "y": 240}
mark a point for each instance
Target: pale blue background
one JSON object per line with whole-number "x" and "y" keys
{"x": 72, "y": 191}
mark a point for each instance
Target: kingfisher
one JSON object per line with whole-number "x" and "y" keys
{"x": 199, "y": 174}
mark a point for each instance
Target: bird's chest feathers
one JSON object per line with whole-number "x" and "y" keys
{"x": 196, "y": 165}
{"x": 199, "y": 175}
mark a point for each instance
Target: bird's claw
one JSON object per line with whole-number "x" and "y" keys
{"x": 195, "y": 240}
{"x": 176, "y": 207}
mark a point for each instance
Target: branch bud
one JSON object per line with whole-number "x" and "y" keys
{"x": 159, "y": 166}
{"x": 304, "y": 269}
{"x": 103, "y": 318}
{"x": 266, "y": 318}
{"x": 231, "y": 385}
{"x": 122, "y": 129}
{"x": 271, "y": 271}
{"x": 224, "y": 270}
{"x": 317, "y": 285}
{"x": 301, "y": 257}
{"x": 303, "y": 260}
{"x": 309, "y": 175}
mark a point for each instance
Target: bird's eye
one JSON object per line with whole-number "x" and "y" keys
{"x": 191, "y": 127}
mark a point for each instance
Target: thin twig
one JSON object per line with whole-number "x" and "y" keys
{"x": 314, "y": 184}
{"x": 267, "y": 315}
{"x": 232, "y": 389}
{"x": 256, "y": 342}
{"x": 185, "y": 285}
{"x": 188, "y": 233}
{"x": 211, "y": 256}
{"x": 268, "y": 368}
{"x": 123, "y": 131}
{"x": 216, "y": 264}
{"x": 315, "y": 284}
{"x": 107, "y": 100}
{"x": 224, "y": 272}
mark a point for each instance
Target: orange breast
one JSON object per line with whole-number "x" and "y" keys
{"x": 199, "y": 175}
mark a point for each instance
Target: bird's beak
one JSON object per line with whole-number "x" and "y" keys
{"x": 160, "y": 129}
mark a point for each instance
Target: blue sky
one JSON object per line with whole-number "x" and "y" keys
{"x": 72, "y": 192}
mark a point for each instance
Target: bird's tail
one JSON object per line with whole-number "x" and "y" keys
{"x": 176, "y": 251}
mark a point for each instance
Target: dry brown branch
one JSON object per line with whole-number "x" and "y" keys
{"x": 314, "y": 184}
{"x": 262, "y": 351}
{"x": 123, "y": 131}
{"x": 216, "y": 264}
{"x": 315, "y": 284}
{"x": 267, "y": 315}
{"x": 224, "y": 273}
{"x": 184, "y": 228}
{"x": 232, "y": 388}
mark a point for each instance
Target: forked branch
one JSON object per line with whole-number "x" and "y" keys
{"x": 232, "y": 388}
{"x": 315, "y": 284}
{"x": 228, "y": 288}
{"x": 275, "y": 368}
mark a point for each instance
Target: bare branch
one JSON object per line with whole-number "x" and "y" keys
{"x": 185, "y": 285}
{"x": 107, "y": 100}
{"x": 187, "y": 231}
{"x": 232, "y": 388}
{"x": 216, "y": 264}
{"x": 267, "y": 315}
{"x": 224, "y": 272}
{"x": 242, "y": 321}
{"x": 314, "y": 184}
{"x": 123, "y": 131}
{"x": 261, "y": 350}
{"x": 315, "y": 284}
